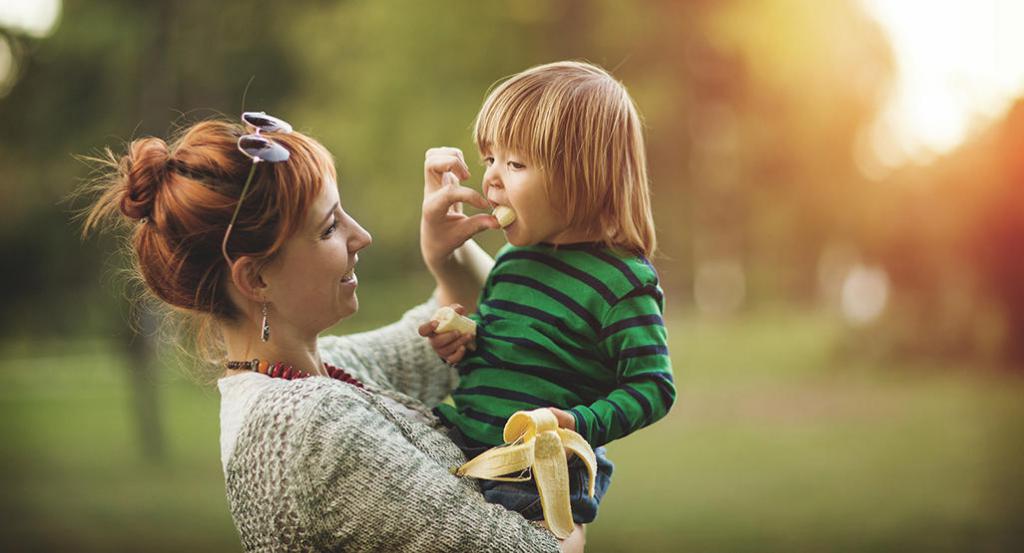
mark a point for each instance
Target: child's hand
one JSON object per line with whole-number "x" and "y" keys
{"x": 444, "y": 227}
{"x": 565, "y": 420}
{"x": 450, "y": 346}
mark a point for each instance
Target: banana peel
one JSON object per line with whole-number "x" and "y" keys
{"x": 534, "y": 444}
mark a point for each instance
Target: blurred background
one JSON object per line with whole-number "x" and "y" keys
{"x": 839, "y": 196}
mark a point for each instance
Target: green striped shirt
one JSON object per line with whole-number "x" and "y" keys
{"x": 578, "y": 327}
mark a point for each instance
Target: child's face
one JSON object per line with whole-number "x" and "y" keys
{"x": 513, "y": 181}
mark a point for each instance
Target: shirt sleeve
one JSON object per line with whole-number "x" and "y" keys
{"x": 395, "y": 357}
{"x": 366, "y": 488}
{"x": 634, "y": 340}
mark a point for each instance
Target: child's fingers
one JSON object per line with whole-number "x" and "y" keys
{"x": 467, "y": 195}
{"x": 427, "y": 328}
{"x": 457, "y": 356}
{"x": 440, "y": 163}
{"x": 459, "y": 308}
{"x": 454, "y": 345}
{"x": 446, "y": 339}
{"x": 449, "y": 349}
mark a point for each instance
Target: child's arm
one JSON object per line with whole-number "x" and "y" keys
{"x": 635, "y": 341}
{"x": 458, "y": 264}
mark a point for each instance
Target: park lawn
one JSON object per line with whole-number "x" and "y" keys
{"x": 775, "y": 444}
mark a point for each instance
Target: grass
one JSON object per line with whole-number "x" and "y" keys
{"x": 774, "y": 445}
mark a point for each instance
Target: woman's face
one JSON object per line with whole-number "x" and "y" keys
{"x": 312, "y": 282}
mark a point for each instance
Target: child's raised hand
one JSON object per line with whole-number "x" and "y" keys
{"x": 444, "y": 227}
{"x": 449, "y": 346}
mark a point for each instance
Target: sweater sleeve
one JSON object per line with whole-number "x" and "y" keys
{"x": 396, "y": 357}
{"x": 366, "y": 488}
{"x": 634, "y": 339}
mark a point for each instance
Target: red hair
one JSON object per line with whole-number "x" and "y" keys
{"x": 178, "y": 198}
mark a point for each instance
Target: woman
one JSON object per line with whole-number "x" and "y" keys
{"x": 327, "y": 443}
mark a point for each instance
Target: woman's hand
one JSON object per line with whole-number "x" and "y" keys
{"x": 576, "y": 541}
{"x": 458, "y": 264}
{"x": 444, "y": 227}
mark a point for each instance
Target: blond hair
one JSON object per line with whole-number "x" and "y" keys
{"x": 581, "y": 127}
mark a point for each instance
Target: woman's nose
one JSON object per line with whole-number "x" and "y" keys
{"x": 360, "y": 238}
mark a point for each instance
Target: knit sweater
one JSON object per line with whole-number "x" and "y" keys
{"x": 319, "y": 465}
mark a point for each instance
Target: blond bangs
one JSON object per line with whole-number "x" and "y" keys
{"x": 510, "y": 118}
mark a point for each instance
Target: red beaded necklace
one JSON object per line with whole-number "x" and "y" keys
{"x": 287, "y": 372}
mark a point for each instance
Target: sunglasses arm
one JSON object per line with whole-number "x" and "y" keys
{"x": 241, "y": 198}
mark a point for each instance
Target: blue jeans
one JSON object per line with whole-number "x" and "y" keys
{"x": 522, "y": 497}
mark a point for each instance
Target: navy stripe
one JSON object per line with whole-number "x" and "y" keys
{"x": 618, "y": 264}
{"x": 566, "y": 269}
{"x": 535, "y": 313}
{"x": 647, "y": 262}
{"x": 621, "y": 416}
{"x": 665, "y": 383}
{"x": 642, "y": 351}
{"x": 503, "y": 394}
{"x": 580, "y": 422}
{"x": 649, "y": 290}
{"x": 644, "y": 404}
{"x": 440, "y": 414}
{"x": 531, "y": 345}
{"x": 485, "y": 418}
{"x": 643, "y": 320}
{"x": 569, "y": 381}
{"x": 554, "y": 294}
{"x": 600, "y": 426}
{"x": 577, "y": 246}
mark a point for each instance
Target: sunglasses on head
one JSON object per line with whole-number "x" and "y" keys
{"x": 260, "y": 148}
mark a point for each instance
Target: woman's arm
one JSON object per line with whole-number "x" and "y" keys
{"x": 362, "y": 486}
{"x": 459, "y": 264}
{"x": 395, "y": 356}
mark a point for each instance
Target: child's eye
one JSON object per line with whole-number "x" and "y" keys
{"x": 516, "y": 165}
{"x": 488, "y": 161}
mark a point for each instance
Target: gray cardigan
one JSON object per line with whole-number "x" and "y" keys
{"x": 320, "y": 465}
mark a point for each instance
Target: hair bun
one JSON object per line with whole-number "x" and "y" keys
{"x": 144, "y": 169}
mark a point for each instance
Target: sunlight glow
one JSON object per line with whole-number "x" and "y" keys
{"x": 36, "y": 18}
{"x": 960, "y": 64}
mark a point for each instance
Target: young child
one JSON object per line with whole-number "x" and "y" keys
{"x": 570, "y": 316}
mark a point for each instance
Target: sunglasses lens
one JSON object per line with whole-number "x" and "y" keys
{"x": 264, "y": 122}
{"x": 262, "y": 148}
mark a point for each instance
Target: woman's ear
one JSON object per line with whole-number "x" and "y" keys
{"x": 247, "y": 278}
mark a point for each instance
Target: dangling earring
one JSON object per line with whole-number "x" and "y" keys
{"x": 265, "y": 333}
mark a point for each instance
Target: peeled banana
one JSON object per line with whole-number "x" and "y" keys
{"x": 505, "y": 215}
{"x": 534, "y": 443}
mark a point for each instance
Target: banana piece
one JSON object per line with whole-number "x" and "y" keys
{"x": 448, "y": 320}
{"x": 505, "y": 215}
{"x": 535, "y": 443}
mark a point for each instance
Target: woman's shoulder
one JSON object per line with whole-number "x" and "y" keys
{"x": 278, "y": 413}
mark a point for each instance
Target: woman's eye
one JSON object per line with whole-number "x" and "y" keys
{"x": 330, "y": 230}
